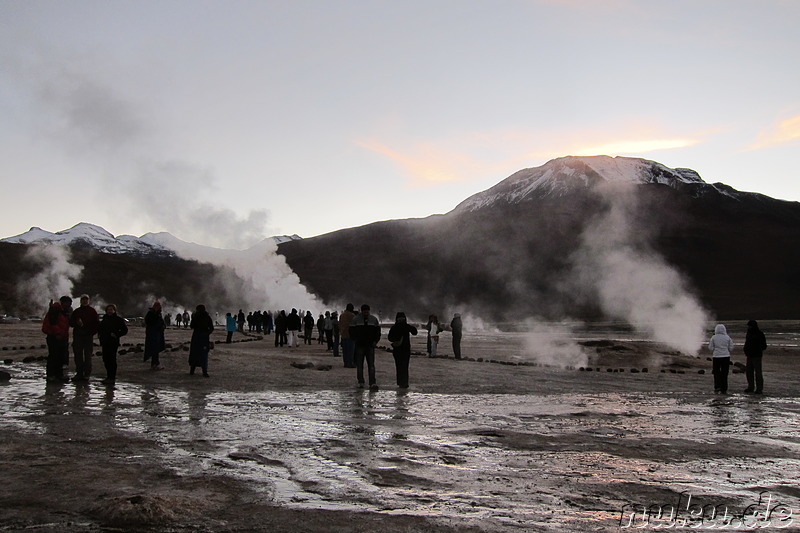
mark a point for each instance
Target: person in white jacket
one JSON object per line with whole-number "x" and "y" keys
{"x": 721, "y": 347}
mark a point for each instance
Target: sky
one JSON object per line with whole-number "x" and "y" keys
{"x": 226, "y": 122}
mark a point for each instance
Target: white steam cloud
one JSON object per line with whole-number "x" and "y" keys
{"x": 271, "y": 284}
{"x": 54, "y": 278}
{"x": 632, "y": 282}
{"x": 553, "y": 345}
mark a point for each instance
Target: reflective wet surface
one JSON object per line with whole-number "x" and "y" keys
{"x": 512, "y": 461}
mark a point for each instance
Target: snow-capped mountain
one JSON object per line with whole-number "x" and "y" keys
{"x": 565, "y": 175}
{"x": 85, "y": 234}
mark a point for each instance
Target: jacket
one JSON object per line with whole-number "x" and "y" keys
{"x": 56, "y": 323}
{"x": 111, "y": 328}
{"x": 720, "y": 344}
{"x": 755, "y": 343}
{"x": 365, "y": 330}
{"x": 89, "y": 319}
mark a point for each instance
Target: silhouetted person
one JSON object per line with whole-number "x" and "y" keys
{"x": 154, "y": 342}
{"x": 56, "y": 326}
{"x": 112, "y": 327}
{"x": 202, "y": 326}
{"x": 84, "y": 321}
{"x": 754, "y": 345}
{"x": 400, "y": 337}
{"x": 348, "y": 345}
{"x": 458, "y": 329}
{"x": 230, "y": 327}
{"x": 365, "y": 330}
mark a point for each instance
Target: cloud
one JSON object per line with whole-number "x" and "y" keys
{"x": 477, "y": 155}
{"x": 95, "y": 123}
{"x": 784, "y": 132}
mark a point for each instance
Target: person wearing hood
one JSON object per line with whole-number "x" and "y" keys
{"x": 202, "y": 326}
{"x": 154, "y": 342}
{"x": 754, "y": 345}
{"x": 400, "y": 337}
{"x": 721, "y": 347}
{"x": 111, "y": 328}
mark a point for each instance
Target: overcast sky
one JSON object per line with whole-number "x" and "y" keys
{"x": 223, "y": 122}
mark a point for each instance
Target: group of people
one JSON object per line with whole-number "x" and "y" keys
{"x": 357, "y": 332}
{"x": 721, "y": 346}
{"x": 85, "y": 323}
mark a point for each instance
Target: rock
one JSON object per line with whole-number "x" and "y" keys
{"x": 4, "y": 376}
{"x": 8, "y": 361}
{"x": 29, "y": 359}
{"x": 701, "y": 371}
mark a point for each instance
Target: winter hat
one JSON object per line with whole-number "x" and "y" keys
{"x": 752, "y": 324}
{"x": 400, "y": 315}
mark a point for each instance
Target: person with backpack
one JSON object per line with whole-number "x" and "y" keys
{"x": 400, "y": 337}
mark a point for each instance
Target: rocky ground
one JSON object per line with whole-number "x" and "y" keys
{"x": 493, "y": 443}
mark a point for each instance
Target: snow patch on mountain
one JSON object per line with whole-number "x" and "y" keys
{"x": 85, "y": 234}
{"x": 564, "y": 175}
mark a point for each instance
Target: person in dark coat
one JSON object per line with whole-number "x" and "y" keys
{"x": 280, "y": 328}
{"x": 400, "y": 337}
{"x": 457, "y": 327}
{"x": 754, "y": 345}
{"x": 230, "y": 327}
{"x": 365, "y": 330}
{"x": 154, "y": 342}
{"x": 84, "y": 321}
{"x": 111, "y": 328}
{"x": 202, "y": 326}
{"x": 66, "y": 308}
{"x": 308, "y": 327}
{"x": 56, "y": 326}
{"x": 294, "y": 324}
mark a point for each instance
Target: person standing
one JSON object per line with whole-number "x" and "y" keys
{"x": 84, "y": 322}
{"x": 433, "y": 332}
{"x": 754, "y": 345}
{"x": 202, "y": 326}
{"x": 336, "y": 333}
{"x": 56, "y": 326}
{"x": 186, "y": 319}
{"x": 457, "y": 328}
{"x": 154, "y": 342}
{"x": 111, "y": 328}
{"x": 240, "y": 321}
{"x": 308, "y": 327}
{"x": 721, "y": 347}
{"x": 400, "y": 337}
{"x": 327, "y": 326}
{"x": 293, "y": 325}
{"x": 280, "y": 328}
{"x": 268, "y": 324}
{"x": 66, "y": 308}
{"x": 365, "y": 330}
{"x": 178, "y": 319}
{"x": 348, "y": 346}
{"x": 230, "y": 327}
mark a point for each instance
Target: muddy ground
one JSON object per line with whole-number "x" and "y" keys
{"x": 497, "y": 443}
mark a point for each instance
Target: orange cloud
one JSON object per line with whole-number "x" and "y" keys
{"x": 785, "y": 131}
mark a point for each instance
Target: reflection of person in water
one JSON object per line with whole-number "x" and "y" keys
{"x": 202, "y": 326}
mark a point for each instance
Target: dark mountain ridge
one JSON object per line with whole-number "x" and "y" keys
{"x": 509, "y": 252}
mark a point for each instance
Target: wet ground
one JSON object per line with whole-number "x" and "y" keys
{"x": 536, "y": 449}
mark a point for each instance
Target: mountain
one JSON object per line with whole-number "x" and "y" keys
{"x": 578, "y": 238}
{"x": 85, "y": 234}
{"x": 521, "y": 247}
{"x": 97, "y": 238}
{"x": 126, "y": 270}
